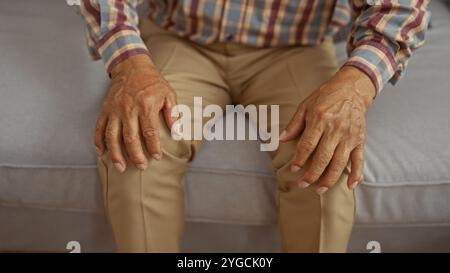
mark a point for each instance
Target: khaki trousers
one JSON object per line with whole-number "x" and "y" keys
{"x": 145, "y": 208}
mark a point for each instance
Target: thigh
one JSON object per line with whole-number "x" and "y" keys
{"x": 308, "y": 222}
{"x": 289, "y": 76}
{"x": 189, "y": 71}
{"x": 293, "y": 73}
{"x": 145, "y": 208}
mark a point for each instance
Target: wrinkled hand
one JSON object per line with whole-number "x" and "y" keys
{"x": 130, "y": 113}
{"x": 331, "y": 122}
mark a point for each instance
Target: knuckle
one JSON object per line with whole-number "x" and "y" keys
{"x": 334, "y": 172}
{"x": 358, "y": 165}
{"x": 316, "y": 173}
{"x": 358, "y": 157}
{"x": 110, "y": 134}
{"x": 126, "y": 106}
{"x": 148, "y": 101}
{"x": 147, "y": 105}
{"x": 306, "y": 145}
{"x": 129, "y": 138}
{"x": 342, "y": 124}
{"x": 340, "y": 162}
{"x": 146, "y": 112}
{"x": 309, "y": 177}
{"x": 322, "y": 159}
{"x": 124, "y": 103}
{"x": 142, "y": 103}
{"x": 321, "y": 113}
{"x": 150, "y": 132}
{"x": 145, "y": 101}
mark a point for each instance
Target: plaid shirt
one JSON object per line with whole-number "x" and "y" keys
{"x": 384, "y": 32}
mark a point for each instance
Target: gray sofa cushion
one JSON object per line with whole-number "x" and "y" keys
{"x": 51, "y": 94}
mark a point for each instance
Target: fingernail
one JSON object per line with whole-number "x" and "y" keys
{"x": 283, "y": 135}
{"x": 303, "y": 184}
{"x": 321, "y": 190}
{"x": 295, "y": 168}
{"x": 142, "y": 166}
{"x": 120, "y": 167}
{"x": 156, "y": 156}
{"x": 353, "y": 185}
{"x": 97, "y": 150}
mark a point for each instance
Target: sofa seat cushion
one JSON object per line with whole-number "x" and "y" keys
{"x": 51, "y": 94}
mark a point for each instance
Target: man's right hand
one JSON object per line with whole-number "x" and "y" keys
{"x": 130, "y": 113}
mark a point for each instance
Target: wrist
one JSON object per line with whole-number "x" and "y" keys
{"x": 134, "y": 61}
{"x": 359, "y": 81}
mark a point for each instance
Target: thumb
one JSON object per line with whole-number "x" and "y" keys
{"x": 295, "y": 126}
{"x": 170, "y": 110}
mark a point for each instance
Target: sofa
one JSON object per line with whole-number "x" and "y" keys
{"x": 50, "y": 195}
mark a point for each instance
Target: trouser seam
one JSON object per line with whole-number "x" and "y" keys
{"x": 321, "y": 225}
{"x": 141, "y": 201}
{"x": 106, "y": 190}
{"x": 280, "y": 223}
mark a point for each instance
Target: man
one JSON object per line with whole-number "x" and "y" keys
{"x": 251, "y": 52}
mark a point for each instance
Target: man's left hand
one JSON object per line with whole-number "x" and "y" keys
{"x": 332, "y": 127}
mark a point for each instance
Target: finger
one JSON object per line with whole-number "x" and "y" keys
{"x": 99, "y": 135}
{"x": 306, "y": 145}
{"x": 357, "y": 163}
{"x": 320, "y": 160}
{"x": 295, "y": 126}
{"x": 150, "y": 132}
{"x": 113, "y": 140}
{"x": 132, "y": 141}
{"x": 170, "y": 110}
{"x": 335, "y": 168}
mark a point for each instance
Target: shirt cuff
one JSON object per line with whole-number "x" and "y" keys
{"x": 119, "y": 44}
{"x": 376, "y": 60}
